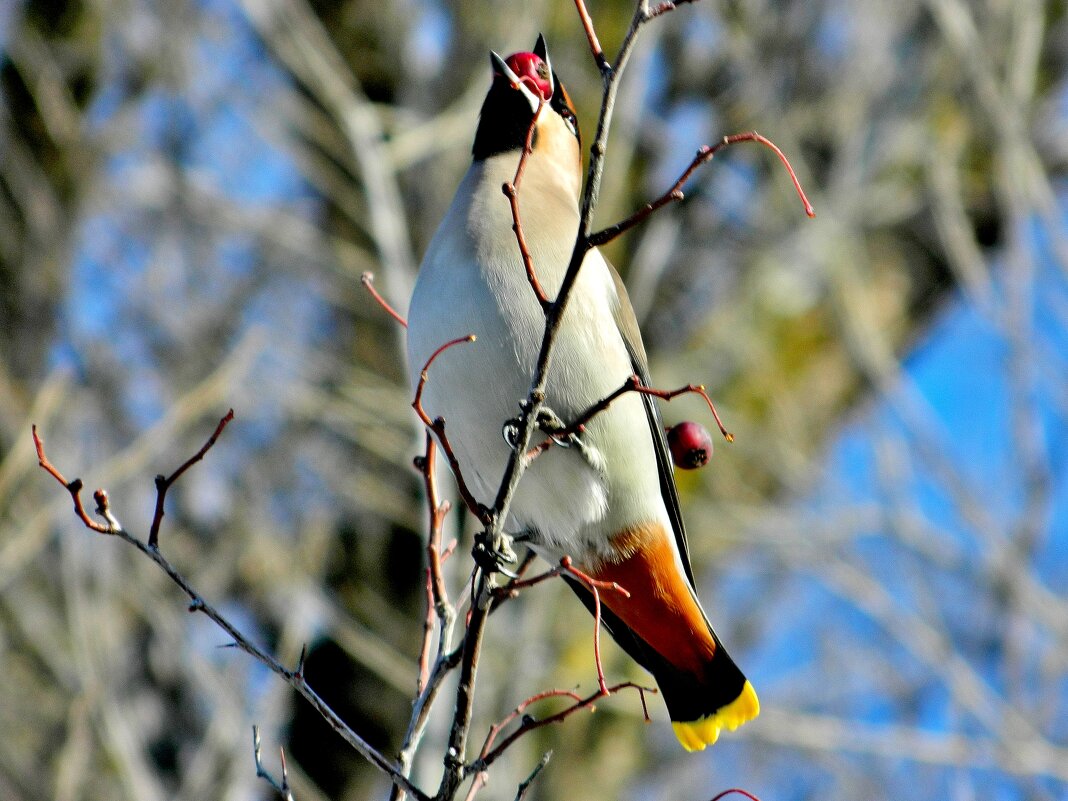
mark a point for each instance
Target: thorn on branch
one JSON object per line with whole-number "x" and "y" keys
{"x": 299, "y": 672}
{"x": 368, "y": 279}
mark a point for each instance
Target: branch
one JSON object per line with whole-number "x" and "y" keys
{"x": 591, "y": 37}
{"x": 438, "y": 608}
{"x": 74, "y": 488}
{"x": 368, "y": 281}
{"x": 674, "y": 194}
{"x": 737, "y": 790}
{"x": 164, "y": 484}
{"x": 632, "y": 384}
{"x": 511, "y": 191}
{"x": 530, "y": 724}
{"x": 295, "y": 678}
{"x": 566, "y": 566}
{"x": 261, "y": 773}
{"x": 437, "y": 425}
{"x": 521, "y": 792}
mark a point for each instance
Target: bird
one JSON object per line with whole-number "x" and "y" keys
{"x": 608, "y": 502}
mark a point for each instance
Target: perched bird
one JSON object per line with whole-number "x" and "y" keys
{"x": 609, "y": 501}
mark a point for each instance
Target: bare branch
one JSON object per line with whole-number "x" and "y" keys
{"x": 73, "y": 487}
{"x": 437, "y": 425}
{"x": 511, "y": 191}
{"x": 164, "y": 484}
{"x": 591, "y": 37}
{"x": 521, "y": 792}
{"x": 529, "y": 723}
{"x": 197, "y": 603}
{"x": 262, "y": 773}
{"x": 704, "y": 154}
{"x": 632, "y": 384}
{"x": 368, "y": 281}
{"x": 735, "y": 790}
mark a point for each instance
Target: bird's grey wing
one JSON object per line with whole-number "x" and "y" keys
{"x": 632, "y": 338}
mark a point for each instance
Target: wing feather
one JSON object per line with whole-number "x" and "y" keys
{"x": 627, "y": 323}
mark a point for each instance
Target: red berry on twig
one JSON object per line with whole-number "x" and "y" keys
{"x": 691, "y": 445}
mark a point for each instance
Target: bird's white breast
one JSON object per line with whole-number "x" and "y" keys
{"x": 472, "y": 281}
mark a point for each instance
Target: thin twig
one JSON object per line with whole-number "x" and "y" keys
{"x": 530, "y": 724}
{"x": 455, "y": 769}
{"x": 164, "y": 483}
{"x": 295, "y": 678}
{"x": 704, "y": 154}
{"x": 262, "y": 773}
{"x": 632, "y": 384}
{"x": 368, "y": 281}
{"x": 521, "y": 792}
{"x": 591, "y": 36}
{"x": 737, "y": 790}
{"x": 73, "y": 487}
{"x": 439, "y": 608}
{"x": 437, "y": 425}
{"x": 511, "y": 191}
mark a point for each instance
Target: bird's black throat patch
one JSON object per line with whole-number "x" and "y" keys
{"x": 503, "y": 122}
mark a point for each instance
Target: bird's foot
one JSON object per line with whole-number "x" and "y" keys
{"x": 493, "y": 556}
{"x": 549, "y": 422}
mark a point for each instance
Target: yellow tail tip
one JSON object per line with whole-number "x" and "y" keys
{"x": 695, "y": 735}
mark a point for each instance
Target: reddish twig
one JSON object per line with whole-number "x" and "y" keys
{"x": 74, "y": 488}
{"x": 417, "y": 403}
{"x": 632, "y": 384}
{"x": 437, "y": 426}
{"x": 737, "y": 790}
{"x": 511, "y": 191}
{"x": 437, "y": 595}
{"x": 530, "y": 724}
{"x": 595, "y": 586}
{"x": 591, "y": 37}
{"x": 164, "y": 483}
{"x": 367, "y": 279}
{"x": 704, "y": 154}
{"x": 497, "y": 728}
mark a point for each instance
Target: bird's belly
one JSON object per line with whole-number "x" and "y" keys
{"x": 562, "y": 500}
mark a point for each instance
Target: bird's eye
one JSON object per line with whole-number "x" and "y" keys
{"x": 570, "y": 120}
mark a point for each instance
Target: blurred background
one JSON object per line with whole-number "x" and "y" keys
{"x": 189, "y": 191}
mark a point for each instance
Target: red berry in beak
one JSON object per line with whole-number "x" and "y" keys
{"x": 533, "y": 72}
{"x": 691, "y": 445}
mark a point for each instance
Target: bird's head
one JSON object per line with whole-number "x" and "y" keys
{"x": 525, "y": 85}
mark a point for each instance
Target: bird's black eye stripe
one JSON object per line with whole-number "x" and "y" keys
{"x": 570, "y": 120}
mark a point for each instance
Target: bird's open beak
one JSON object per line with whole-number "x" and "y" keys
{"x": 502, "y": 68}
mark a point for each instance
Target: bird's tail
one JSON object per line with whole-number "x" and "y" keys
{"x": 666, "y": 632}
{"x": 700, "y": 703}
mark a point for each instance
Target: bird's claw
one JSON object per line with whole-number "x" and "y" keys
{"x": 493, "y": 556}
